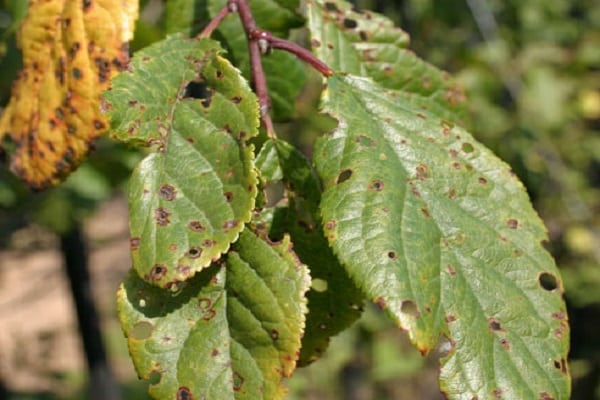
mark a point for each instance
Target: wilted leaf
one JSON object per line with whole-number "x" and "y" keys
{"x": 438, "y": 232}
{"x": 368, "y": 44}
{"x": 190, "y": 198}
{"x": 71, "y": 49}
{"x": 232, "y": 333}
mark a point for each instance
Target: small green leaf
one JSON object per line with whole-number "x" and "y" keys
{"x": 368, "y": 44}
{"x": 334, "y": 302}
{"x": 186, "y": 16}
{"x": 233, "y": 332}
{"x": 191, "y": 197}
{"x": 438, "y": 232}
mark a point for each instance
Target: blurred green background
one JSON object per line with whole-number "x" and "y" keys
{"x": 531, "y": 71}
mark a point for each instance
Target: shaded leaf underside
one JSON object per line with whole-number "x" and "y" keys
{"x": 438, "y": 232}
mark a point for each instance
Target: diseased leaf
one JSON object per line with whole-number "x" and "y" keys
{"x": 368, "y": 44}
{"x": 233, "y": 332}
{"x": 191, "y": 197}
{"x": 71, "y": 49}
{"x": 438, "y": 232}
{"x": 334, "y": 302}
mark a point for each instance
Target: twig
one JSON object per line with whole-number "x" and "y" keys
{"x": 214, "y": 23}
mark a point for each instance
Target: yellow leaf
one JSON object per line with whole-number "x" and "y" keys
{"x": 71, "y": 49}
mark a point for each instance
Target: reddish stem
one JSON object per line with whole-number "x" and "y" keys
{"x": 214, "y": 23}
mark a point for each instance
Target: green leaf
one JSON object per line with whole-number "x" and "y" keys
{"x": 438, "y": 232}
{"x": 186, "y": 16}
{"x": 233, "y": 332}
{"x": 190, "y": 198}
{"x": 369, "y": 44}
{"x": 334, "y": 302}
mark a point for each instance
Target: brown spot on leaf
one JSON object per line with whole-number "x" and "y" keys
{"x": 184, "y": 393}
{"x": 505, "y": 344}
{"x": 545, "y": 396}
{"x": 349, "y": 23}
{"x": 343, "y": 176}
{"x": 422, "y": 172}
{"x": 330, "y": 225}
{"x": 380, "y": 302}
{"x": 204, "y": 303}
{"x": 450, "y": 318}
{"x": 229, "y": 225}
{"x": 451, "y": 269}
{"x": 512, "y": 223}
{"x": 410, "y": 307}
{"x": 425, "y": 212}
{"x": 167, "y": 192}
{"x": 162, "y": 216}
{"x": 214, "y": 353}
{"x": 274, "y": 334}
{"x": 194, "y": 252}
{"x": 238, "y": 381}
{"x": 392, "y": 255}
{"x": 208, "y": 243}
{"x": 495, "y": 325}
{"x": 196, "y": 226}
{"x": 228, "y": 196}
{"x": 134, "y": 243}
{"x": 157, "y": 272}
{"x": 548, "y": 281}
{"x": 376, "y": 185}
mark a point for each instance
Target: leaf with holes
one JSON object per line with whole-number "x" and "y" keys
{"x": 438, "y": 232}
{"x": 334, "y": 302}
{"x": 233, "y": 332}
{"x": 190, "y": 198}
{"x": 368, "y": 44}
{"x": 71, "y": 49}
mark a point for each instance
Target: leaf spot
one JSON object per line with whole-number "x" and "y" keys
{"x": 208, "y": 243}
{"x": 376, "y": 185}
{"x": 450, "y": 318}
{"x": 548, "y": 281}
{"x": 134, "y": 243}
{"x": 505, "y": 344}
{"x": 183, "y": 393}
{"x": 209, "y": 314}
{"x": 330, "y": 225}
{"x": 238, "y": 381}
{"x": 162, "y": 216}
{"x": 194, "y": 252}
{"x": 214, "y": 353}
{"x": 343, "y": 176}
{"x": 467, "y": 147}
{"x": 196, "y": 226}
{"x": 380, "y": 302}
{"x": 545, "y": 396}
{"x": 366, "y": 141}
{"x": 274, "y": 334}
{"x": 512, "y": 223}
{"x": 425, "y": 212}
{"x": 167, "y": 192}
{"x": 495, "y": 325}
{"x": 422, "y": 172}
{"x": 392, "y": 255}
{"x": 451, "y": 269}
{"x": 228, "y": 196}
{"x": 157, "y": 272}
{"x": 229, "y": 225}
{"x": 204, "y": 303}
{"x": 141, "y": 330}
{"x": 236, "y": 99}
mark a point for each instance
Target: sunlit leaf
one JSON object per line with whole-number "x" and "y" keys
{"x": 438, "y": 232}
{"x": 190, "y": 198}
{"x": 232, "y": 333}
{"x": 368, "y": 44}
{"x": 71, "y": 49}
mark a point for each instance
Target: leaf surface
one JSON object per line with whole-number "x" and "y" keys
{"x": 190, "y": 198}
{"x": 368, "y": 44}
{"x": 438, "y": 232}
{"x": 334, "y": 302}
{"x": 232, "y": 333}
{"x": 71, "y": 49}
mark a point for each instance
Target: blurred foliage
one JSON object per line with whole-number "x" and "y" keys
{"x": 532, "y": 74}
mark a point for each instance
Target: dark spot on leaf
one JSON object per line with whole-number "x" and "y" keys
{"x": 208, "y": 243}
{"x": 315, "y": 43}
{"x": 236, "y": 99}
{"x": 548, "y": 281}
{"x": 330, "y": 225}
{"x": 173, "y": 246}
{"x": 452, "y": 194}
{"x": 141, "y": 330}
{"x": 410, "y": 307}
{"x": 194, "y": 252}
{"x": 238, "y": 381}
{"x": 556, "y": 364}
{"x": 495, "y": 325}
{"x": 392, "y": 255}
{"x": 204, "y": 303}
{"x": 183, "y": 393}
{"x": 421, "y": 115}
{"x": 425, "y": 212}
{"x": 330, "y": 46}
{"x": 376, "y": 185}
{"x": 196, "y": 226}
{"x": 350, "y": 23}
{"x": 422, "y": 172}
{"x": 467, "y": 147}
{"x": 162, "y": 216}
{"x": 450, "y": 318}
{"x": 563, "y": 366}
{"x": 453, "y": 153}
{"x": 134, "y": 243}
{"x": 228, "y": 225}
{"x": 157, "y": 272}
{"x": 343, "y": 176}
{"x": 228, "y": 196}
{"x": 219, "y": 74}
{"x": 456, "y": 165}
{"x": 87, "y": 4}
{"x": 331, "y": 7}
{"x": 561, "y": 315}
{"x": 545, "y": 396}
{"x": 214, "y": 353}
{"x": 274, "y": 334}
{"x": 512, "y": 223}
{"x": 76, "y": 72}
{"x": 451, "y": 269}
{"x": 505, "y": 344}
{"x": 154, "y": 378}
{"x": 209, "y": 314}
{"x": 363, "y": 35}
{"x": 167, "y": 192}
{"x": 497, "y": 393}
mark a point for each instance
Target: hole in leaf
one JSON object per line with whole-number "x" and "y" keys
{"x": 376, "y": 185}
{"x": 548, "y": 281}
{"x": 350, "y": 23}
{"x": 319, "y": 285}
{"x": 228, "y": 196}
{"x": 184, "y": 393}
{"x": 467, "y": 147}
{"x": 409, "y": 307}
{"x": 343, "y": 176}
{"x": 392, "y": 255}
{"x": 141, "y": 331}
{"x": 154, "y": 378}
{"x": 198, "y": 90}
{"x": 238, "y": 381}
{"x": 194, "y": 252}
{"x": 157, "y": 272}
